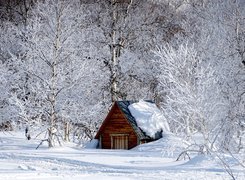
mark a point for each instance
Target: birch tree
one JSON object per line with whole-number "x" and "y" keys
{"x": 54, "y": 64}
{"x": 126, "y": 36}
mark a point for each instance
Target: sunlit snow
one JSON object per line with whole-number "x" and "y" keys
{"x": 149, "y": 118}
{"x": 20, "y": 160}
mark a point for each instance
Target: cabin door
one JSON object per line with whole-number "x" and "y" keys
{"x": 119, "y": 141}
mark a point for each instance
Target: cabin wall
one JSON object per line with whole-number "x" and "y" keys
{"x": 117, "y": 124}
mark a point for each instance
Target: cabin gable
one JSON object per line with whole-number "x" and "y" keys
{"x": 116, "y": 132}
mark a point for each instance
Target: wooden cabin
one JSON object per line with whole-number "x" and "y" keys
{"x": 119, "y": 130}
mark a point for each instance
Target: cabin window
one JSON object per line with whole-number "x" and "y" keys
{"x": 119, "y": 141}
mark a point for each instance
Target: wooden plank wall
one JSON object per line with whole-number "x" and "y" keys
{"x": 117, "y": 124}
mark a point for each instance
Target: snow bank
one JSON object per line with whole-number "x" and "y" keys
{"x": 149, "y": 118}
{"x": 169, "y": 146}
{"x": 93, "y": 144}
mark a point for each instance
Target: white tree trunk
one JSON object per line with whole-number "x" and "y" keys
{"x": 67, "y": 131}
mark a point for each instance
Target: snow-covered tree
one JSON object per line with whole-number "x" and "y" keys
{"x": 221, "y": 45}
{"x": 192, "y": 101}
{"x": 233, "y": 21}
{"x": 54, "y": 63}
{"x": 7, "y": 70}
{"x": 16, "y": 11}
{"x": 125, "y": 38}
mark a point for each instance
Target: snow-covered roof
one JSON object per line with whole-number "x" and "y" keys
{"x": 149, "y": 118}
{"x": 123, "y": 106}
{"x": 145, "y": 118}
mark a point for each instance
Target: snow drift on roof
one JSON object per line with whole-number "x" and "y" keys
{"x": 149, "y": 118}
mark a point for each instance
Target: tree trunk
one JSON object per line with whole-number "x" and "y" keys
{"x": 53, "y": 87}
{"x": 114, "y": 58}
{"x": 66, "y": 131}
{"x": 50, "y": 137}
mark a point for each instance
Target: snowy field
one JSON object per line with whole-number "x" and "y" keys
{"x": 20, "y": 160}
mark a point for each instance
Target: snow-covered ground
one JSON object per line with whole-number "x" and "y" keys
{"x": 20, "y": 160}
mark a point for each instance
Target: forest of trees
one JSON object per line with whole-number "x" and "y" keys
{"x": 64, "y": 62}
